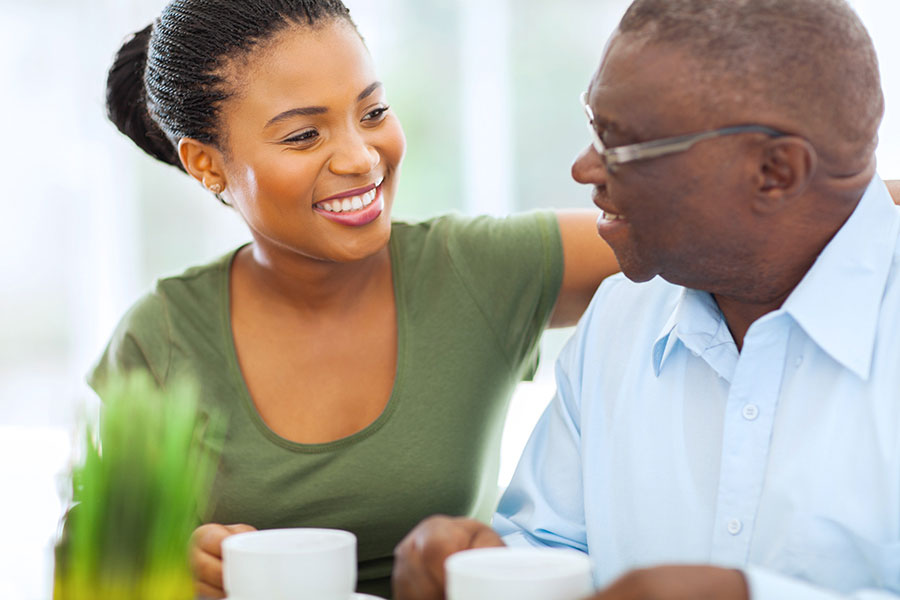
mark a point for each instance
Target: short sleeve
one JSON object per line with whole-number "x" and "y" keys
{"x": 141, "y": 341}
{"x": 513, "y": 268}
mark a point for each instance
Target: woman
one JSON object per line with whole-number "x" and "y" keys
{"x": 364, "y": 367}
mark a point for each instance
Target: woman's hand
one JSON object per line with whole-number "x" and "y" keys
{"x": 206, "y": 557}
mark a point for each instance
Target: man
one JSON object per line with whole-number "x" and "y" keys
{"x": 731, "y": 428}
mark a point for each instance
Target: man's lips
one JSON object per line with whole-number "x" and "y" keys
{"x": 607, "y": 213}
{"x": 609, "y": 216}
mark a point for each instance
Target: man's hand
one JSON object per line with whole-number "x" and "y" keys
{"x": 419, "y": 557}
{"x": 206, "y": 557}
{"x": 678, "y": 583}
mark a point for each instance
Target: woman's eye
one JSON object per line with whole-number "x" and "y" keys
{"x": 304, "y": 137}
{"x": 376, "y": 114}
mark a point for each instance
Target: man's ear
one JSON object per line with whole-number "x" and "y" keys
{"x": 204, "y": 163}
{"x": 785, "y": 169}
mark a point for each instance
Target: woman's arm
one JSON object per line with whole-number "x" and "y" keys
{"x": 587, "y": 260}
{"x": 893, "y": 187}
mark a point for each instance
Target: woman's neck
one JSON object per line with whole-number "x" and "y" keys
{"x": 310, "y": 285}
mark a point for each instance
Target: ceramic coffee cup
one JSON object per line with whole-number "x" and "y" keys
{"x": 518, "y": 574}
{"x": 290, "y": 564}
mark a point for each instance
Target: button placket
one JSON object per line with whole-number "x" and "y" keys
{"x": 753, "y": 398}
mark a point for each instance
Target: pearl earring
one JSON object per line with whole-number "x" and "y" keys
{"x": 216, "y": 188}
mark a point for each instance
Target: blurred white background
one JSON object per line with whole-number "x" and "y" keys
{"x": 487, "y": 92}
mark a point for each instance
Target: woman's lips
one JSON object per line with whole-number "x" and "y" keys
{"x": 353, "y": 211}
{"x": 350, "y": 194}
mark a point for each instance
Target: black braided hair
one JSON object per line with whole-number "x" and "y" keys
{"x": 166, "y": 80}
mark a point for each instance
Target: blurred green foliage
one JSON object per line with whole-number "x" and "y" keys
{"x": 144, "y": 480}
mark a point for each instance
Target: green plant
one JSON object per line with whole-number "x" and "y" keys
{"x": 137, "y": 496}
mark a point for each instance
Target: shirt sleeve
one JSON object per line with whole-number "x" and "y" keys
{"x": 513, "y": 268}
{"x": 766, "y": 584}
{"x": 141, "y": 341}
{"x": 544, "y": 503}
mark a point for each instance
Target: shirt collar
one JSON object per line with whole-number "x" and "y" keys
{"x": 697, "y": 323}
{"x": 836, "y": 303}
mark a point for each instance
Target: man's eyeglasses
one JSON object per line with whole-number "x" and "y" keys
{"x": 612, "y": 157}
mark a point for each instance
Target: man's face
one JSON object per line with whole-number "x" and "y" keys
{"x": 683, "y": 216}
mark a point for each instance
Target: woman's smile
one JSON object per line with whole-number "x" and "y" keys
{"x": 354, "y": 208}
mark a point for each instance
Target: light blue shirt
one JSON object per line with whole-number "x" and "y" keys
{"x": 665, "y": 445}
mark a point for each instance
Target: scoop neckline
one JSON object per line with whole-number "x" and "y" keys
{"x": 247, "y": 401}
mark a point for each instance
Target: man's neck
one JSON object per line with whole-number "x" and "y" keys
{"x": 788, "y": 264}
{"x": 739, "y": 316}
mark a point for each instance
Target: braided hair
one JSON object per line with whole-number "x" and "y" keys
{"x": 166, "y": 80}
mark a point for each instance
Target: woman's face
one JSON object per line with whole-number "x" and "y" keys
{"x": 313, "y": 152}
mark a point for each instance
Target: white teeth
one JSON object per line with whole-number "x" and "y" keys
{"x": 608, "y": 216}
{"x": 350, "y": 204}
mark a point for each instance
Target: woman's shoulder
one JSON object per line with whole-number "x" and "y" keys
{"x": 463, "y": 232}
{"x": 455, "y": 222}
{"x": 177, "y": 307}
{"x": 197, "y": 280}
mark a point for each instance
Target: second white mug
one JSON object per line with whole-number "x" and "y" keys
{"x": 518, "y": 574}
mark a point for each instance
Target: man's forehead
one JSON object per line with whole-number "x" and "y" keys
{"x": 627, "y": 57}
{"x": 637, "y": 72}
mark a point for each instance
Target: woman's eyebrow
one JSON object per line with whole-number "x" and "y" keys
{"x": 366, "y": 92}
{"x": 296, "y": 112}
{"x": 317, "y": 110}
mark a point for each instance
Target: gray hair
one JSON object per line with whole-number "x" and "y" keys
{"x": 811, "y": 61}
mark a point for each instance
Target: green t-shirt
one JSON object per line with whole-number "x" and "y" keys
{"x": 473, "y": 296}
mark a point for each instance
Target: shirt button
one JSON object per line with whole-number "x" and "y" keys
{"x": 798, "y": 361}
{"x": 750, "y": 411}
{"x": 734, "y": 526}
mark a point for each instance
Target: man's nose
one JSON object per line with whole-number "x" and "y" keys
{"x": 589, "y": 167}
{"x": 354, "y": 155}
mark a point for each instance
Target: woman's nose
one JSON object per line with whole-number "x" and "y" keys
{"x": 354, "y": 156}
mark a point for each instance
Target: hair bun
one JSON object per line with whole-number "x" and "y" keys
{"x": 126, "y": 104}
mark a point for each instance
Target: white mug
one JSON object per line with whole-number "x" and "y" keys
{"x": 518, "y": 574}
{"x": 290, "y": 564}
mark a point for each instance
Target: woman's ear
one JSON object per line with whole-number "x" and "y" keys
{"x": 785, "y": 170}
{"x": 204, "y": 163}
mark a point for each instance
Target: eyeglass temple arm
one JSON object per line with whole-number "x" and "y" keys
{"x": 681, "y": 143}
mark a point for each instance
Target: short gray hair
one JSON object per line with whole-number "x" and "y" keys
{"x": 811, "y": 61}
